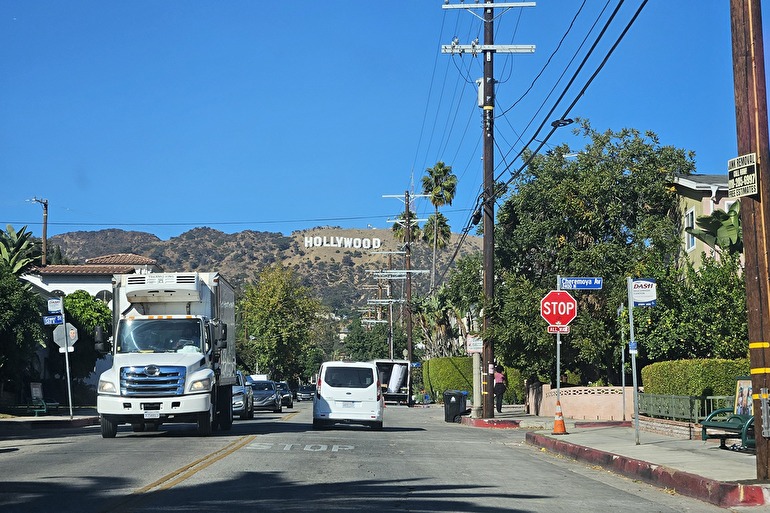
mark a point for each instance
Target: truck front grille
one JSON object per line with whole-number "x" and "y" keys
{"x": 152, "y": 381}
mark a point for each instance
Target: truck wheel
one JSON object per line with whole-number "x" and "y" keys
{"x": 137, "y": 428}
{"x": 226, "y": 418}
{"x": 109, "y": 428}
{"x": 204, "y": 424}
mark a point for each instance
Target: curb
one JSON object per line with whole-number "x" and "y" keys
{"x": 490, "y": 423}
{"x": 24, "y": 425}
{"x": 719, "y": 493}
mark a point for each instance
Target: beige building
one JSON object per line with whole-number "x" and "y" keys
{"x": 700, "y": 195}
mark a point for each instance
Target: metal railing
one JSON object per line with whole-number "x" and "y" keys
{"x": 685, "y": 408}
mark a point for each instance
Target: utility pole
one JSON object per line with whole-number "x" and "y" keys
{"x": 487, "y": 103}
{"x": 44, "y": 202}
{"x": 408, "y": 264}
{"x": 752, "y": 133}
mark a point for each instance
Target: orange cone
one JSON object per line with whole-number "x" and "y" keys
{"x": 558, "y": 424}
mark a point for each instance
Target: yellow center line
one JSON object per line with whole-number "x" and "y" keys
{"x": 181, "y": 474}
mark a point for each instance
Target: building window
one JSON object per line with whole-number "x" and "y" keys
{"x": 689, "y": 222}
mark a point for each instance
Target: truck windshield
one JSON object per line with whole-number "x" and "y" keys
{"x": 159, "y": 336}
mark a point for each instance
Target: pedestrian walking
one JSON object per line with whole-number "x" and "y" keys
{"x": 501, "y": 385}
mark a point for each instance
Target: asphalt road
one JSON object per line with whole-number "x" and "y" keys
{"x": 277, "y": 462}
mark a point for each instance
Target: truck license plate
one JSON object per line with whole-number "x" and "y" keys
{"x": 152, "y": 415}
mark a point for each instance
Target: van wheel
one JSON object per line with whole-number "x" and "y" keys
{"x": 137, "y": 428}
{"x": 109, "y": 428}
{"x": 318, "y": 424}
{"x": 377, "y": 426}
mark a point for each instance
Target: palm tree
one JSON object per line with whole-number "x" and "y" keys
{"x": 17, "y": 249}
{"x": 437, "y": 222}
{"x": 721, "y": 230}
{"x": 440, "y": 184}
{"x": 399, "y": 227}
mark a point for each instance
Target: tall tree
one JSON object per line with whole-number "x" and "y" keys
{"x": 440, "y": 184}
{"x": 21, "y": 331}
{"x": 399, "y": 227}
{"x": 279, "y": 315}
{"x": 608, "y": 213}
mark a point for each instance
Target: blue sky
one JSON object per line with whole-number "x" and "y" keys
{"x": 165, "y": 115}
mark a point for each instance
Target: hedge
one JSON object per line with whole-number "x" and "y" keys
{"x": 699, "y": 377}
{"x": 456, "y": 373}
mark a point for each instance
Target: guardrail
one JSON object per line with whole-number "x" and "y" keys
{"x": 682, "y": 407}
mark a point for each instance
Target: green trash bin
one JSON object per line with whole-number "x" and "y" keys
{"x": 454, "y": 405}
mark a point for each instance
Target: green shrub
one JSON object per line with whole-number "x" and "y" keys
{"x": 456, "y": 373}
{"x": 699, "y": 377}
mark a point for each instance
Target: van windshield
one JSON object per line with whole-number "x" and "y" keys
{"x": 349, "y": 377}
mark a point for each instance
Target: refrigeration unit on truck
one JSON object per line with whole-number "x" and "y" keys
{"x": 173, "y": 353}
{"x": 396, "y": 380}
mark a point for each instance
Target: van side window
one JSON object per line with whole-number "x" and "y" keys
{"x": 349, "y": 377}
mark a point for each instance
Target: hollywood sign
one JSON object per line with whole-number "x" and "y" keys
{"x": 343, "y": 242}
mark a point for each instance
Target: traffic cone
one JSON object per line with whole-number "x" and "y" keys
{"x": 558, "y": 424}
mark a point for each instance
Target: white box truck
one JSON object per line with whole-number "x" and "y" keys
{"x": 173, "y": 353}
{"x": 396, "y": 380}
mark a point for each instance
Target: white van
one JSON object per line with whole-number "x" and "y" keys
{"x": 348, "y": 392}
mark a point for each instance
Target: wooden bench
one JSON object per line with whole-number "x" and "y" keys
{"x": 733, "y": 423}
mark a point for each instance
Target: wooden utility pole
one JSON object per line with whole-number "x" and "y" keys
{"x": 488, "y": 216}
{"x": 408, "y": 238}
{"x": 487, "y": 103}
{"x": 752, "y": 132}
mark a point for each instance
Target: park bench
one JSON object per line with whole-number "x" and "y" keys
{"x": 732, "y": 423}
{"x": 38, "y": 405}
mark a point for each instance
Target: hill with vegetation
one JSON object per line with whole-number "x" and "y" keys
{"x": 336, "y": 264}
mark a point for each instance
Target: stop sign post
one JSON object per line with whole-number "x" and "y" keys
{"x": 558, "y": 308}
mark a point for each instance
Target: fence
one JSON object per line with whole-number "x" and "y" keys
{"x": 682, "y": 407}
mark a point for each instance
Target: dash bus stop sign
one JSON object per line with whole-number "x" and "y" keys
{"x": 558, "y": 308}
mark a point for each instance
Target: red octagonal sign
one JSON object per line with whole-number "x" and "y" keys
{"x": 558, "y": 308}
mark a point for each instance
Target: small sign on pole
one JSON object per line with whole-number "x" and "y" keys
{"x": 742, "y": 176}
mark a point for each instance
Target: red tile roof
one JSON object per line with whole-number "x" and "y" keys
{"x": 122, "y": 259}
{"x": 87, "y": 269}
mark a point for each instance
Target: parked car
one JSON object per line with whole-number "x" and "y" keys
{"x": 348, "y": 392}
{"x": 286, "y": 398}
{"x": 243, "y": 398}
{"x": 266, "y": 396}
{"x": 306, "y": 393}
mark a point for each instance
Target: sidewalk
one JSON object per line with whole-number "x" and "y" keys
{"x": 61, "y": 419}
{"x": 693, "y": 468}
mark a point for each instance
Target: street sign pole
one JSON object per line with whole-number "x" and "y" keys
{"x": 558, "y": 353}
{"x": 633, "y": 351}
{"x": 67, "y": 356}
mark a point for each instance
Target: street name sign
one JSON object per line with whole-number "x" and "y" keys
{"x": 52, "y": 320}
{"x": 581, "y": 283}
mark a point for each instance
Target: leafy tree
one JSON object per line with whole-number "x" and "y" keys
{"x": 280, "y": 314}
{"x": 440, "y": 184}
{"x": 17, "y": 249}
{"x": 21, "y": 331}
{"x": 721, "y": 230}
{"x": 85, "y": 313}
{"x": 608, "y": 213}
{"x": 365, "y": 343}
{"x": 700, "y": 313}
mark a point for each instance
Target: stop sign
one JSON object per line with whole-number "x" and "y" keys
{"x": 558, "y": 308}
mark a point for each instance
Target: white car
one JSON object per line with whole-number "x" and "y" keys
{"x": 348, "y": 392}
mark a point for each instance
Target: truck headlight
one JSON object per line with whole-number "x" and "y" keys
{"x": 107, "y": 387}
{"x": 201, "y": 385}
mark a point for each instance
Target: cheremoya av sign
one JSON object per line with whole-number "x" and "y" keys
{"x": 334, "y": 241}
